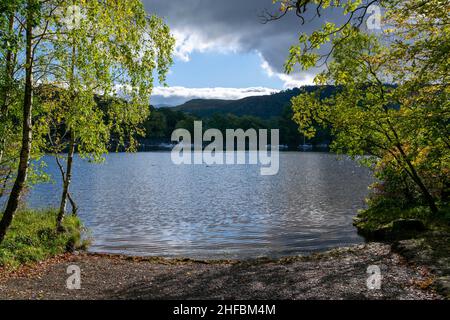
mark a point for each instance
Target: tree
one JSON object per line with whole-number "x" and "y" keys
{"x": 156, "y": 125}
{"x": 12, "y": 71}
{"x": 405, "y": 125}
{"x": 125, "y": 49}
{"x": 31, "y": 8}
{"x": 113, "y": 52}
{"x": 8, "y": 51}
{"x": 9, "y": 41}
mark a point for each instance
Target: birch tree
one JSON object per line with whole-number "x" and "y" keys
{"x": 111, "y": 53}
{"x": 115, "y": 50}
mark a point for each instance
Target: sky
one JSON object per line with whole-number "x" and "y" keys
{"x": 224, "y": 51}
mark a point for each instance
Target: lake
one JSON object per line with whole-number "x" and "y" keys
{"x": 142, "y": 204}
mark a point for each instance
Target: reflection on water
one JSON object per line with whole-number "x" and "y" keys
{"x": 142, "y": 204}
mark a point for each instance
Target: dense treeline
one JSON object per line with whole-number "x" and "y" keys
{"x": 162, "y": 122}
{"x": 260, "y": 112}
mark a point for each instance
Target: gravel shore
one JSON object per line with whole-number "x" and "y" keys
{"x": 338, "y": 274}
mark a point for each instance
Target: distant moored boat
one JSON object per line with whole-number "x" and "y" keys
{"x": 305, "y": 147}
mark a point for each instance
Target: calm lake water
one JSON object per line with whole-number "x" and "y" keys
{"x": 142, "y": 204}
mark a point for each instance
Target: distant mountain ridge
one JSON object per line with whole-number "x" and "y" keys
{"x": 264, "y": 107}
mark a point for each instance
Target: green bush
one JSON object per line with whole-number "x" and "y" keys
{"x": 33, "y": 237}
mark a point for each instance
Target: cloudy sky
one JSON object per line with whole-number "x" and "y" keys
{"x": 224, "y": 51}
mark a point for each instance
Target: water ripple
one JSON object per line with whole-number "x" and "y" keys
{"x": 142, "y": 204}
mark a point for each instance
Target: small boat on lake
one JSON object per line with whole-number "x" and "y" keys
{"x": 305, "y": 147}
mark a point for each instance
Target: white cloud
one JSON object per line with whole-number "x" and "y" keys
{"x": 211, "y": 93}
{"x": 296, "y": 80}
{"x": 289, "y": 80}
{"x": 189, "y": 41}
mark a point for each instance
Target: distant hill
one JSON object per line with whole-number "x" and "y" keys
{"x": 264, "y": 107}
{"x": 163, "y": 105}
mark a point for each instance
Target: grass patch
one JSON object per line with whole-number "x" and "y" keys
{"x": 382, "y": 218}
{"x": 32, "y": 237}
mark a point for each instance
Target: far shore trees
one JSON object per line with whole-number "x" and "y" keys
{"x": 393, "y": 102}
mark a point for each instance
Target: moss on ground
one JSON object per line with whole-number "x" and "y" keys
{"x": 381, "y": 223}
{"x": 32, "y": 237}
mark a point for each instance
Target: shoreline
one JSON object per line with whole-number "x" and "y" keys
{"x": 337, "y": 274}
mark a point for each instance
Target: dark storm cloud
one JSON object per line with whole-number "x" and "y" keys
{"x": 233, "y": 23}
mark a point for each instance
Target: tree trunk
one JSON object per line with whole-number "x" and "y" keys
{"x": 66, "y": 184}
{"x": 27, "y": 130}
{"x": 416, "y": 178}
{"x": 7, "y": 90}
{"x": 5, "y": 184}
{"x": 73, "y": 204}
{"x": 406, "y": 191}
{"x": 426, "y": 194}
{"x": 68, "y": 176}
